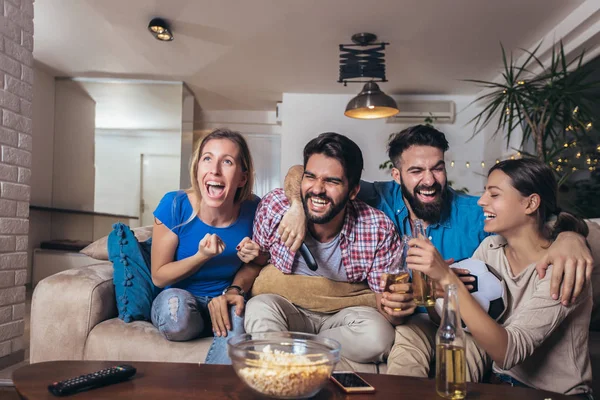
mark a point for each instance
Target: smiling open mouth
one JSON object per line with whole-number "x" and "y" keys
{"x": 489, "y": 216}
{"x": 427, "y": 195}
{"x": 214, "y": 188}
{"x": 318, "y": 203}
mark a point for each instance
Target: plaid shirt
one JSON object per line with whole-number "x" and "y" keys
{"x": 368, "y": 239}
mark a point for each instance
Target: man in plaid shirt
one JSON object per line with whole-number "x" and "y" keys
{"x": 350, "y": 241}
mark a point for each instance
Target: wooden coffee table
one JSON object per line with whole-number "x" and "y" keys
{"x": 207, "y": 382}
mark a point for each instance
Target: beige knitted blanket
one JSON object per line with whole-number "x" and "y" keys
{"x": 313, "y": 293}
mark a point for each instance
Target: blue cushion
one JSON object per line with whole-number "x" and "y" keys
{"x": 132, "y": 276}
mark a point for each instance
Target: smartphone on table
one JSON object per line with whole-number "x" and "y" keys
{"x": 351, "y": 382}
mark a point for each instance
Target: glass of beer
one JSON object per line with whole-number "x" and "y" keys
{"x": 422, "y": 285}
{"x": 398, "y": 271}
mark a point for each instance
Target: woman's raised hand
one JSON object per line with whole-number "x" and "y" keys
{"x": 248, "y": 250}
{"x": 211, "y": 245}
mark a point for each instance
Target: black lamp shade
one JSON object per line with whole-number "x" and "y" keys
{"x": 371, "y": 103}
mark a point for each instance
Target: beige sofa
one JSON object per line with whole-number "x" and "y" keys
{"x": 74, "y": 317}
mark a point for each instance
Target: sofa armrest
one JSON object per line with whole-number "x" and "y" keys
{"x": 65, "y": 308}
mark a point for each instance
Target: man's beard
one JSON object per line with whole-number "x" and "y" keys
{"x": 429, "y": 212}
{"x": 333, "y": 212}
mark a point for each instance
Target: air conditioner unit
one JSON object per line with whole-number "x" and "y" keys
{"x": 441, "y": 112}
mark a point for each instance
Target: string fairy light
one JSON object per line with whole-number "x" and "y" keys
{"x": 588, "y": 162}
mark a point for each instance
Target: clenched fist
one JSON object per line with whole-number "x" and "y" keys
{"x": 248, "y": 250}
{"x": 210, "y": 246}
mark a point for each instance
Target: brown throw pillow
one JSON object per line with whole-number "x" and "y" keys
{"x": 313, "y": 293}
{"x": 99, "y": 248}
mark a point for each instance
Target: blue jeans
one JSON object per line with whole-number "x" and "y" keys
{"x": 181, "y": 316}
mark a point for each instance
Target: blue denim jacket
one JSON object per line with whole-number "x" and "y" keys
{"x": 459, "y": 231}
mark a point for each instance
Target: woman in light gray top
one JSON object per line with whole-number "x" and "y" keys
{"x": 539, "y": 343}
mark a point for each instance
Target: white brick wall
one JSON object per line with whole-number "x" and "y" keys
{"x": 16, "y": 94}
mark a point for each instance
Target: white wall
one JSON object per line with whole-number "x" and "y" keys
{"x": 305, "y": 116}
{"x": 118, "y": 166}
{"x": 187, "y": 136}
{"x": 263, "y": 134}
{"x": 243, "y": 121}
{"x": 74, "y": 127}
{"x": 43, "y": 137}
{"x": 42, "y": 160}
{"x": 265, "y": 151}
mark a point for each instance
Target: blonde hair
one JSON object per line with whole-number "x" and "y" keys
{"x": 242, "y": 194}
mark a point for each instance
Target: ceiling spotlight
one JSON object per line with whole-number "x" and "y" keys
{"x": 159, "y": 28}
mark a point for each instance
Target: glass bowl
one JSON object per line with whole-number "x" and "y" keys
{"x": 284, "y": 365}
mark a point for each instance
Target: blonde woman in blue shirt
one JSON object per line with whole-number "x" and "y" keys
{"x": 201, "y": 246}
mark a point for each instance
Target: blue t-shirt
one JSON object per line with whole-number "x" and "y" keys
{"x": 459, "y": 231}
{"x": 217, "y": 273}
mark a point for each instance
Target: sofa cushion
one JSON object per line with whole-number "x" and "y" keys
{"x": 99, "y": 248}
{"x": 116, "y": 340}
{"x": 132, "y": 277}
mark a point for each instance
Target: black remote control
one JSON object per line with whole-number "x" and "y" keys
{"x": 104, "y": 377}
{"x": 308, "y": 257}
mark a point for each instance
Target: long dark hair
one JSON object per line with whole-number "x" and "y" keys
{"x": 529, "y": 176}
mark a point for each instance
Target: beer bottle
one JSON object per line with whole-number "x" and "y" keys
{"x": 423, "y": 289}
{"x": 450, "y": 369}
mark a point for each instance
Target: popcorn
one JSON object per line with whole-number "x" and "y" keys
{"x": 281, "y": 374}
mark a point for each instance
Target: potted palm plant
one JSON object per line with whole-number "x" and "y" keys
{"x": 551, "y": 104}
